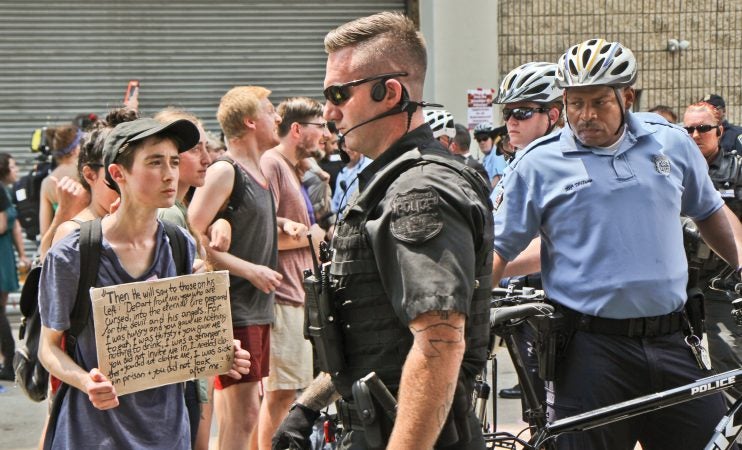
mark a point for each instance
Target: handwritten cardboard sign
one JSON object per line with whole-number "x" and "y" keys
{"x": 159, "y": 332}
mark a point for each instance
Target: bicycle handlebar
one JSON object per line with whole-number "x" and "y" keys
{"x": 502, "y": 314}
{"x": 512, "y": 292}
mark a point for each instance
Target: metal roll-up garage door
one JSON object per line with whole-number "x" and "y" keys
{"x": 59, "y": 59}
{"x": 62, "y": 58}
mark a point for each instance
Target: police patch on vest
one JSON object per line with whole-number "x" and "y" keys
{"x": 416, "y": 215}
{"x": 662, "y": 165}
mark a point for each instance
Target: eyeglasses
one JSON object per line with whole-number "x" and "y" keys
{"x": 521, "y": 113}
{"x": 337, "y": 94}
{"x": 317, "y": 124}
{"x": 481, "y": 138}
{"x": 701, "y": 129}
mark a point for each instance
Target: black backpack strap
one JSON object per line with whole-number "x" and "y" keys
{"x": 178, "y": 246}
{"x": 90, "y": 241}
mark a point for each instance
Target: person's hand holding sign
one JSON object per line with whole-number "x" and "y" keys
{"x": 100, "y": 391}
{"x": 241, "y": 364}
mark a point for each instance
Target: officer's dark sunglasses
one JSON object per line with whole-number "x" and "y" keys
{"x": 521, "y": 113}
{"x": 701, "y": 129}
{"x": 337, "y": 94}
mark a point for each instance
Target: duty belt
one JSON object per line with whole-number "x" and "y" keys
{"x": 638, "y": 327}
{"x": 348, "y": 414}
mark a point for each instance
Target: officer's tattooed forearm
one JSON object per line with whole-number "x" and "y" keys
{"x": 434, "y": 338}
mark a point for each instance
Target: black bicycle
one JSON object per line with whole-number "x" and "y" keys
{"x": 517, "y": 306}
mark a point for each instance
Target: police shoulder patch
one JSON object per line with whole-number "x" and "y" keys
{"x": 416, "y": 215}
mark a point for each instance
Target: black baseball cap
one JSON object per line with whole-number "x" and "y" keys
{"x": 717, "y": 101}
{"x": 125, "y": 133}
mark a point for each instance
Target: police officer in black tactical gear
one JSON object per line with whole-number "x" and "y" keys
{"x": 704, "y": 122}
{"x": 410, "y": 277}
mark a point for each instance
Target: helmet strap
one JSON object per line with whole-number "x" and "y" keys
{"x": 619, "y": 99}
{"x": 551, "y": 126}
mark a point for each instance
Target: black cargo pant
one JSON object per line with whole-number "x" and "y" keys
{"x": 601, "y": 369}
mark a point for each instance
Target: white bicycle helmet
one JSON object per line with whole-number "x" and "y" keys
{"x": 484, "y": 128}
{"x": 441, "y": 122}
{"x": 596, "y": 63}
{"x": 531, "y": 82}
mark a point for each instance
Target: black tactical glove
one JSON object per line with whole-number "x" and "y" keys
{"x": 294, "y": 431}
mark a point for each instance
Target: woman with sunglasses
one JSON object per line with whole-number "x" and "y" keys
{"x": 703, "y": 122}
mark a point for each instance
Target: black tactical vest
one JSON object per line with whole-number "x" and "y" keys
{"x": 373, "y": 336}
{"x": 726, "y": 174}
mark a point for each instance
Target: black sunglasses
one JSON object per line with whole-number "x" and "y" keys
{"x": 481, "y": 138}
{"x": 337, "y": 94}
{"x": 521, "y": 113}
{"x": 701, "y": 129}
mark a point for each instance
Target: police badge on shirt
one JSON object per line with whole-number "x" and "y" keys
{"x": 662, "y": 165}
{"x": 416, "y": 215}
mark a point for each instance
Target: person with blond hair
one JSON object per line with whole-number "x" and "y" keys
{"x": 237, "y": 190}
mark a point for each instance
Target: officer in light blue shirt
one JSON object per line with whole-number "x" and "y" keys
{"x": 494, "y": 164}
{"x": 605, "y": 196}
{"x": 347, "y": 180}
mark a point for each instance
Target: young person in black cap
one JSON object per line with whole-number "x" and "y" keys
{"x": 141, "y": 163}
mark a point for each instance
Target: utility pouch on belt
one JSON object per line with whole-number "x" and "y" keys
{"x": 694, "y": 307}
{"x": 320, "y": 325}
{"x": 377, "y": 409}
{"x": 695, "y": 312}
{"x": 553, "y": 333}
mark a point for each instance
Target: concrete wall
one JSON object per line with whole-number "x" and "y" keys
{"x": 462, "y": 50}
{"x": 472, "y": 43}
{"x": 532, "y": 30}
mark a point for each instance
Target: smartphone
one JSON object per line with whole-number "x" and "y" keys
{"x": 132, "y": 90}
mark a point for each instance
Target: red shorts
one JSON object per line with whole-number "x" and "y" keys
{"x": 256, "y": 339}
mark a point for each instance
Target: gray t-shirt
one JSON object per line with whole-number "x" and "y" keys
{"x": 254, "y": 238}
{"x": 151, "y": 419}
